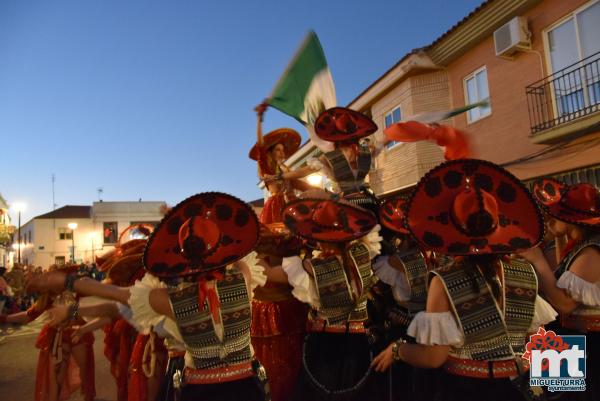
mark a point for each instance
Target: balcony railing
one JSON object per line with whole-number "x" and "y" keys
{"x": 566, "y": 95}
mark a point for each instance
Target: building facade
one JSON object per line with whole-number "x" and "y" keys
{"x": 544, "y": 112}
{"x": 48, "y": 239}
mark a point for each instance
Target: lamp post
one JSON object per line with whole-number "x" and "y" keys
{"x": 19, "y": 207}
{"x": 72, "y": 226}
{"x": 93, "y": 237}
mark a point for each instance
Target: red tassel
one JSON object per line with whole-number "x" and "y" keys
{"x": 204, "y": 293}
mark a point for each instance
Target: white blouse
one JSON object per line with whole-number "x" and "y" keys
{"x": 142, "y": 316}
{"x": 579, "y": 289}
{"x": 442, "y": 328}
{"x": 396, "y": 279}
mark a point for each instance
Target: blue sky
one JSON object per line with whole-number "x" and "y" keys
{"x": 153, "y": 99}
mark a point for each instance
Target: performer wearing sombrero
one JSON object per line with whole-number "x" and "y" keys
{"x": 137, "y": 356}
{"x": 66, "y": 357}
{"x": 574, "y": 289}
{"x": 271, "y": 151}
{"x": 278, "y": 319}
{"x": 481, "y": 308}
{"x": 340, "y": 133}
{"x": 335, "y": 283}
{"x": 201, "y": 240}
{"x": 403, "y": 268}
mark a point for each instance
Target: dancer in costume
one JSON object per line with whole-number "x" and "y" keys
{"x": 403, "y": 269}
{"x": 278, "y": 319}
{"x": 66, "y": 358}
{"x": 481, "y": 307}
{"x": 201, "y": 240}
{"x": 574, "y": 289}
{"x": 138, "y": 359}
{"x": 335, "y": 283}
{"x": 340, "y": 133}
{"x": 271, "y": 151}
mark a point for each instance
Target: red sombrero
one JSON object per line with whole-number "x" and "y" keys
{"x": 124, "y": 267}
{"x": 392, "y": 214}
{"x": 204, "y": 232}
{"x": 286, "y": 136}
{"x": 340, "y": 124}
{"x": 576, "y": 204}
{"x": 470, "y": 207}
{"x": 327, "y": 220}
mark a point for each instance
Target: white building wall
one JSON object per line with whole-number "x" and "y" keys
{"x": 46, "y": 246}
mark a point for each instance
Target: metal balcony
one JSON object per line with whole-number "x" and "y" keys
{"x": 565, "y": 96}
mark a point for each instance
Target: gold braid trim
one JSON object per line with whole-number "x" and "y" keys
{"x": 149, "y": 369}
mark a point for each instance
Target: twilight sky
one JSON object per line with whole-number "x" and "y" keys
{"x": 153, "y": 99}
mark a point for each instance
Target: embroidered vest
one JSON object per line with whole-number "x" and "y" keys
{"x": 415, "y": 270}
{"x": 487, "y": 332}
{"x": 338, "y": 304}
{"x": 585, "y": 317}
{"x": 342, "y": 172}
{"x": 197, "y": 328}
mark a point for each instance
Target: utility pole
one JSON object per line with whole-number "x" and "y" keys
{"x": 53, "y": 199}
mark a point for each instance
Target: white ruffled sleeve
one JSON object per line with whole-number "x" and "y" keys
{"x": 441, "y": 328}
{"x": 393, "y": 277}
{"x": 373, "y": 241}
{"x": 257, "y": 272}
{"x": 304, "y": 289}
{"x": 579, "y": 289}
{"x": 127, "y": 314}
{"x": 544, "y": 313}
{"x": 143, "y": 317}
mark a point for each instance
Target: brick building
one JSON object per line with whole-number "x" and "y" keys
{"x": 539, "y": 64}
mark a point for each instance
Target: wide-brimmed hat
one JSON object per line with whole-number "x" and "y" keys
{"x": 392, "y": 214}
{"x": 123, "y": 265}
{"x": 130, "y": 237}
{"x": 289, "y": 138}
{"x": 206, "y": 231}
{"x": 577, "y": 204}
{"x": 340, "y": 124}
{"x": 327, "y": 220}
{"x": 472, "y": 207}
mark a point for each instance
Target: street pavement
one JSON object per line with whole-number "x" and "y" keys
{"x": 18, "y": 360}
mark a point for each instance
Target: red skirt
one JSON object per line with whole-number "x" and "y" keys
{"x": 72, "y": 379}
{"x": 118, "y": 343}
{"x": 277, "y": 334}
{"x": 273, "y": 209}
{"x": 138, "y": 381}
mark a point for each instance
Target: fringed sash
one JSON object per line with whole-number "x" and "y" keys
{"x": 481, "y": 320}
{"x": 338, "y": 304}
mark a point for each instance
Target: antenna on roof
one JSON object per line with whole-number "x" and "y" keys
{"x": 53, "y": 198}
{"x": 100, "y": 191}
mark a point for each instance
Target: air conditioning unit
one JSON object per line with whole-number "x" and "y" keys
{"x": 512, "y": 37}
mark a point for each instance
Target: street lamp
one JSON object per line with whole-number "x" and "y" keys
{"x": 72, "y": 226}
{"x": 93, "y": 237}
{"x": 316, "y": 180}
{"x": 19, "y": 207}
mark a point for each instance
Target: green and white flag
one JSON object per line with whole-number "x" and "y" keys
{"x": 305, "y": 88}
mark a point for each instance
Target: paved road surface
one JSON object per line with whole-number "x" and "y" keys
{"x": 18, "y": 359}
